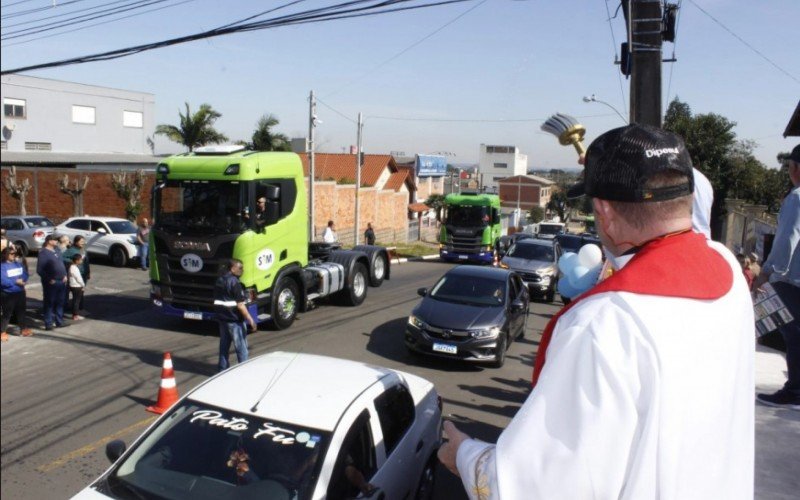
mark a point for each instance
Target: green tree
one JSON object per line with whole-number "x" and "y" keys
{"x": 436, "y": 202}
{"x": 195, "y": 129}
{"x": 264, "y": 139}
{"x": 535, "y": 214}
{"x": 129, "y": 188}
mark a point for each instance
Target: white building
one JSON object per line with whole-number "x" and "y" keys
{"x": 499, "y": 162}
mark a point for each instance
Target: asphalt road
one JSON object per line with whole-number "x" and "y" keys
{"x": 67, "y": 392}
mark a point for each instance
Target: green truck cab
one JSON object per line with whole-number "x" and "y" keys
{"x": 471, "y": 227}
{"x": 206, "y": 211}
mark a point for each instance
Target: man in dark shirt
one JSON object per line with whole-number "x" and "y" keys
{"x": 50, "y": 268}
{"x": 229, "y": 302}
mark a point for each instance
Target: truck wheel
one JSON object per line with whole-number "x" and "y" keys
{"x": 284, "y": 303}
{"x": 378, "y": 271}
{"x": 118, "y": 256}
{"x": 356, "y": 290}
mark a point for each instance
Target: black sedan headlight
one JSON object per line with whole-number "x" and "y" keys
{"x": 416, "y": 322}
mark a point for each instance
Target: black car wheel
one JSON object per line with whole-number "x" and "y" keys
{"x": 22, "y": 248}
{"x": 118, "y": 256}
{"x": 425, "y": 488}
{"x": 500, "y": 355}
{"x": 551, "y": 295}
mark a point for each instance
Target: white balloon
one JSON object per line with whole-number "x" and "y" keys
{"x": 590, "y": 255}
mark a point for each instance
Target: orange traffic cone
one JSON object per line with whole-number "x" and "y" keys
{"x": 168, "y": 392}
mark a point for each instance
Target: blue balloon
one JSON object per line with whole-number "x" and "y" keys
{"x": 589, "y": 279}
{"x": 566, "y": 290}
{"x": 567, "y": 261}
{"x": 577, "y": 273}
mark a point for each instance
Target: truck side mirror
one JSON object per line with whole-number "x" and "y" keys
{"x": 272, "y": 212}
{"x": 272, "y": 192}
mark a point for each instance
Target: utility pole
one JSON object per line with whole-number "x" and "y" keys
{"x": 312, "y": 118}
{"x": 358, "y": 176}
{"x": 645, "y": 37}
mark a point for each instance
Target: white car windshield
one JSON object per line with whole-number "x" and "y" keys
{"x": 204, "y": 452}
{"x": 121, "y": 227}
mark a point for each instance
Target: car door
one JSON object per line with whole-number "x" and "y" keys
{"x": 401, "y": 443}
{"x": 79, "y": 227}
{"x": 356, "y": 462}
{"x": 516, "y": 319}
{"x": 14, "y": 227}
{"x": 101, "y": 237}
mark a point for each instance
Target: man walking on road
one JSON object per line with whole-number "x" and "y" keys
{"x": 643, "y": 384}
{"x": 782, "y": 269}
{"x": 50, "y": 268}
{"x": 229, "y": 302}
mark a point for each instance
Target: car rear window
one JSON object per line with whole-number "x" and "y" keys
{"x": 39, "y": 222}
{"x": 532, "y": 252}
{"x": 204, "y": 452}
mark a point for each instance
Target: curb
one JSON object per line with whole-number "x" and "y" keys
{"x": 416, "y": 259}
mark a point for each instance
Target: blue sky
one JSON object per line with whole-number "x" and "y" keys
{"x": 502, "y": 60}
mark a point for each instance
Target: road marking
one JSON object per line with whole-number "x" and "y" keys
{"x": 106, "y": 290}
{"x": 62, "y": 460}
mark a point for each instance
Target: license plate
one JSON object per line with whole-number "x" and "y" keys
{"x": 462, "y": 257}
{"x": 447, "y": 348}
{"x": 192, "y": 315}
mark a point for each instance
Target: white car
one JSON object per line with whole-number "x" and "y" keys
{"x": 112, "y": 237}
{"x": 286, "y": 426}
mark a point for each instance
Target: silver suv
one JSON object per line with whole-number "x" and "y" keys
{"x": 27, "y": 232}
{"x": 536, "y": 261}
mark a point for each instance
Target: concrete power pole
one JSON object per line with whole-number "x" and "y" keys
{"x": 358, "y": 176}
{"x": 645, "y": 34}
{"x": 312, "y": 118}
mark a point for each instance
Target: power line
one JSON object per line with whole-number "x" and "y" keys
{"x": 97, "y": 24}
{"x": 476, "y": 120}
{"x": 392, "y": 58}
{"x": 62, "y": 14}
{"x": 336, "y": 111}
{"x": 37, "y": 9}
{"x": 614, "y": 41}
{"x": 341, "y": 11}
{"x": 745, "y": 43}
{"x": 14, "y": 3}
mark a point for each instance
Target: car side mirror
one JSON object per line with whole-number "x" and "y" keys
{"x": 517, "y": 306}
{"x": 115, "y": 449}
{"x": 422, "y": 292}
{"x": 102, "y": 230}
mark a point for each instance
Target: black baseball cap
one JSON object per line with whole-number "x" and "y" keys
{"x": 621, "y": 161}
{"x": 795, "y": 154}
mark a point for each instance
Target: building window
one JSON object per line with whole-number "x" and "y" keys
{"x": 134, "y": 119}
{"x": 495, "y": 179}
{"x": 14, "y": 108}
{"x": 38, "y": 146}
{"x": 83, "y": 114}
{"x": 500, "y": 149}
{"x": 501, "y": 165}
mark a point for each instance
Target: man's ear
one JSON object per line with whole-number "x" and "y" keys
{"x": 604, "y": 214}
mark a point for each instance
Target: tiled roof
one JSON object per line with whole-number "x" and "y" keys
{"x": 410, "y": 178}
{"x": 396, "y": 180}
{"x": 336, "y": 166}
{"x": 419, "y": 207}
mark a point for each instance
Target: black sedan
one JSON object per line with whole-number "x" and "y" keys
{"x": 471, "y": 313}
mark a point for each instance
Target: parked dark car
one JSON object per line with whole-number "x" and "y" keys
{"x": 574, "y": 242}
{"x": 27, "y": 232}
{"x": 471, "y": 313}
{"x": 536, "y": 261}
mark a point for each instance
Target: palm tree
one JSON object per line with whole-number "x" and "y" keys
{"x": 195, "y": 129}
{"x": 265, "y": 139}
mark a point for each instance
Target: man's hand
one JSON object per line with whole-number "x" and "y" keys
{"x": 252, "y": 324}
{"x": 447, "y": 452}
{"x": 762, "y": 278}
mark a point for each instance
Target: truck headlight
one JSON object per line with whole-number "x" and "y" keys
{"x": 416, "y": 322}
{"x": 488, "y": 333}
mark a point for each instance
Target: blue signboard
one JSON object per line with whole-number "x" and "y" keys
{"x": 431, "y": 166}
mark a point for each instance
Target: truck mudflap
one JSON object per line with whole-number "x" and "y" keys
{"x": 379, "y": 263}
{"x": 170, "y": 310}
{"x": 451, "y": 256}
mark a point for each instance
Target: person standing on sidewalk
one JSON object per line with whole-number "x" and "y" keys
{"x": 76, "y": 285}
{"x": 644, "y": 378}
{"x": 50, "y": 268}
{"x": 329, "y": 235}
{"x": 369, "y": 234}
{"x": 782, "y": 270}
{"x": 13, "y": 278}
{"x": 79, "y": 248}
{"x": 229, "y": 302}
{"x": 143, "y": 241}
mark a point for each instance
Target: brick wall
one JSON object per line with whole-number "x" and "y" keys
{"x": 45, "y": 197}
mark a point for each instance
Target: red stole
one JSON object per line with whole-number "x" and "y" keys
{"x": 681, "y": 265}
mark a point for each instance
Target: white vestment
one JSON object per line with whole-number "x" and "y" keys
{"x": 641, "y": 397}
{"x": 702, "y": 200}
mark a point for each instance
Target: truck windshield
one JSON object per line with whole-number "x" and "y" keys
{"x": 466, "y": 216}
{"x": 201, "y": 206}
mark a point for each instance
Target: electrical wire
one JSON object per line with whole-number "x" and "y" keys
{"x": 614, "y": 42}
{"x": 351, "y": 10}
{"x": 392, "y": 58}
{"x": 320, "y": 101}
{"x": 477, "y": 120}
{"x": 97, "y": 24}
{"x": 63, "y": 14}
{"x": 745, "y": 43}
{"x": 14, "y": 3}
{"x": 37, "y": 9}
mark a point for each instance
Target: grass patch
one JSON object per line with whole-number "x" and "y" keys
{"x": 416, "y": 249}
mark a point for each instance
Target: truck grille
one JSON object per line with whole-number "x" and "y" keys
{"x": 465, "y": 244}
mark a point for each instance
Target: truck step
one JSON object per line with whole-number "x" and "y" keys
{"x": 263, "y": 317}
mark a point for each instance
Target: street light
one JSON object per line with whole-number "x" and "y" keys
{"x": 592, "y": 98}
